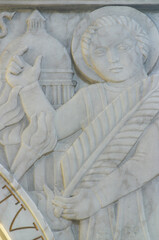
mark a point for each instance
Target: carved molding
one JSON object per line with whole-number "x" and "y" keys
{"x": 75, "y": 3}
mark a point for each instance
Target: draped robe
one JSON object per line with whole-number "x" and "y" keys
{"x": 117, "y": 221}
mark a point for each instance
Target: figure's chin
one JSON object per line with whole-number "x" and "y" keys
{"x": 114, "y": 80}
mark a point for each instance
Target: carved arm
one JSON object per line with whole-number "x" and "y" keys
{"x": 46, "y": 124}
{"x": 140, "y": 169}
{"x": 40, "y": 136}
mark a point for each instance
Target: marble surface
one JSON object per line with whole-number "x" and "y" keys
{"x": 20, "y": 217}
{"x": 79, "y": 124}
{"x": 76, "y": 3}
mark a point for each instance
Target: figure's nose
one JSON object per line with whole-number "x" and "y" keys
{"x": 112, "y": 55}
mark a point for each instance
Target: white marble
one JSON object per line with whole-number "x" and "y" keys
{"x": 20, "y": 217}
{"x": 88, "y": 158}
{"x": 74, "y": 3}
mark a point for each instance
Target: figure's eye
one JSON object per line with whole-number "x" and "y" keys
{"x": 123, "y": 47}
{"x": 99, "y": 51}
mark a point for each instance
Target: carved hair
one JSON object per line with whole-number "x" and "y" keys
{"x": 133, "y": 27}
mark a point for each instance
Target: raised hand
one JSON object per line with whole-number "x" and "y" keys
{"x": 20, "y": 73}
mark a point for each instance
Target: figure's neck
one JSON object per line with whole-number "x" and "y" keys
{"x": 129, "y": 82}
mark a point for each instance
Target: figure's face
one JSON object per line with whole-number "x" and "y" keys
{"x": 114, "y": 54}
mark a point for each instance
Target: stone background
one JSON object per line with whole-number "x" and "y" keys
{"x": 60, "y": 24}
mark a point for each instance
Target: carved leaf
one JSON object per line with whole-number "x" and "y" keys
{"x": 124, "y": 142}
{"x": 85, "y": 151}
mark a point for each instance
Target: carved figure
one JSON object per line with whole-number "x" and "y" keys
{"x": 112, "y": 164}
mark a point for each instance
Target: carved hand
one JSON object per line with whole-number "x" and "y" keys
{"x": 20, "y": 73}
{"x": 78, "y": 207}
{"x": 57, "y": 224}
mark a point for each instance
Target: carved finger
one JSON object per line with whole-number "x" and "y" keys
{"x": 56, "y": 191}
{"x": 16, "y": 67}
{"x": 18, "y": 60}
{"x": 69, "y": 216}
{"x": 67, "y": 200}
{"x": 13, "y": 70}
{"x": 21, "y": 51}
{"x": 68, "y": 211}
{"x": 49, "y": 193}
{"x": 62, "y": 205}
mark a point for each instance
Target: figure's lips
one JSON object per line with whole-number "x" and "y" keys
{"x": 116, "y": 69}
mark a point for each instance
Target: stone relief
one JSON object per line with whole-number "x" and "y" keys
{"x": 88, "y": 159}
